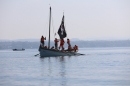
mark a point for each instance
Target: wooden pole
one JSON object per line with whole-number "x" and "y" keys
{"x": 49, "y": 29}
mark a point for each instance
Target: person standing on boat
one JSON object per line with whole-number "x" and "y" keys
{"x": 56, "y": 43}
{"x": 69, "y": 45}
{"x": 62, "y": 43}
{"x": 42, "y": 41}
{"x": 68, "y": 42}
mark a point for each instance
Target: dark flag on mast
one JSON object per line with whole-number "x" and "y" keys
{"x": 61, "y": 31}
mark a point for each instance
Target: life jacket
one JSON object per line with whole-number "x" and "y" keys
{"x": 56, "y": 41}
{"x": 76, "y": 47}
{"x": 42, "y": 39}
{"x": 62, "y": 42}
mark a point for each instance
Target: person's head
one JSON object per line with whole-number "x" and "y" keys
{"x": 42, "y": 36}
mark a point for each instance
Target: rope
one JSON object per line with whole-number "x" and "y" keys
{"x": 47, "y": 26}
{"x": 53, "y": 28}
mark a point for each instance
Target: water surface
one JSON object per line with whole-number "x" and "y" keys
{"x": 99, "y": 67}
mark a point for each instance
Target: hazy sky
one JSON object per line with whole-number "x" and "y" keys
{"x": 84, "y": 19}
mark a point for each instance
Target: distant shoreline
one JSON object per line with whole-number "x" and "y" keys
{"x": 81, "y": 44}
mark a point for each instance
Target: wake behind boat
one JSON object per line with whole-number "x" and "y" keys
{"x": 18, "y": 49}
{"x": 51, "y": 52}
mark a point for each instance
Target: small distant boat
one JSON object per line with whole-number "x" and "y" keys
{"x": 18, "y": 49}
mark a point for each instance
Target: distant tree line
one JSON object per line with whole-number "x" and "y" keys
{"x": 81, "y": 44}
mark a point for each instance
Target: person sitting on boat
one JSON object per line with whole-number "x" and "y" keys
{"x": 56, "y": 43}
{"x": 68, "y": 42}
{"x": 61, "y": 43}
{"x": 75, "y": 48}
{"x": 42, "y": 41}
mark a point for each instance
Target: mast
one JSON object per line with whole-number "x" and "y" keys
{"x": 49, "y": 29}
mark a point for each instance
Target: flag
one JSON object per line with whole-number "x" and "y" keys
{"x": 61, "y": 31}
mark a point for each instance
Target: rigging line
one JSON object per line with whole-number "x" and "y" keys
{"x": 53, "y": 27}
{"x": 47, "y": 27}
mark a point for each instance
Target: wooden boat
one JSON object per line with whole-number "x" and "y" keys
{"x": 47, "y": 52}
{"x": 44, "y": 52}
{"x": 18, "y": 49}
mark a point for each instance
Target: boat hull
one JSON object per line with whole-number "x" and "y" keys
{"x": 53, "y": 53}
{"x": 18, "y": 49}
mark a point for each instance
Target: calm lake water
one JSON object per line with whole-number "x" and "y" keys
{"x": 99, "y": 67}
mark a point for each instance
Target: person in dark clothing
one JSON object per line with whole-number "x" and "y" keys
{"x": 68, "y": 42}
{"x": 56, "y": 43}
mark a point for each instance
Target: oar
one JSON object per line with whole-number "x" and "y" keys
{"x": 36, "y": 54}
{"x": 80, "y": 54}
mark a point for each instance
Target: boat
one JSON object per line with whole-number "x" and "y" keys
{"x": 48, "y": 52}
{"x": 18, "y": 49}
{"x": 44, "y": 52}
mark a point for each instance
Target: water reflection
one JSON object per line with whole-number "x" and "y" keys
{"x": 63, "y": 71}
{"x": 54, "y": 69}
